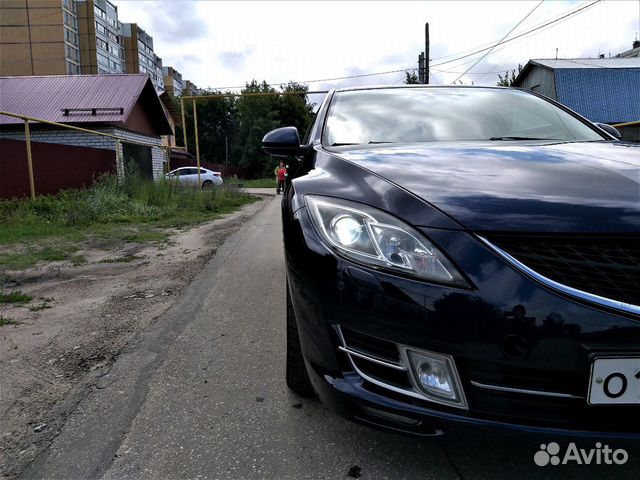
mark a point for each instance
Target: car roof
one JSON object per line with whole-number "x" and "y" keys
{"x": 448, "y": 87}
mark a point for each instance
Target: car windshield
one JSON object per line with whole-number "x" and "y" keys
{"x": 411, "y": 115}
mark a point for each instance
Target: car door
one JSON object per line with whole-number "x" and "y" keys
{"x": 204, "y": 175}
{"x": 189, "y": 177}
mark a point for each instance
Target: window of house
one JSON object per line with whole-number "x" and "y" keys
{"x": 99, "y": 12}
{"x": 102, "y": 59}
{"x": 102, "y": 44}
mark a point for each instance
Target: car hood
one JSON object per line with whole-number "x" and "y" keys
{"x": 586, "y": 187}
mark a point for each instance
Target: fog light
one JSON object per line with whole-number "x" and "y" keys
{"x": 436, "y": 377}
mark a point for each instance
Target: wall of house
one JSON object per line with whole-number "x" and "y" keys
{"x": 540, "y": 80}
{"x": 82, "y": 139}
{"x": 64, "y": 137}
{"x": 158, "y": 156}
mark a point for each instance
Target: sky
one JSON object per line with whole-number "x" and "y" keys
{"x": 218, "y": 44}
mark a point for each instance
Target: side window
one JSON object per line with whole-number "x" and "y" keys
{"x": 202, "y": 172}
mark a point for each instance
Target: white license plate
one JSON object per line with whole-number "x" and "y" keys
{"x": 615, "y": 381}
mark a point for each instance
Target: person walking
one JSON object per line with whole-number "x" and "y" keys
{"x": 281, "y": 176}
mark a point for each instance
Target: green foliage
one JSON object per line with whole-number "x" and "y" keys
{"x": 260, "y": 114}
{"x": 243, "y": 121}
{"x": 14, "y": 297}
{"x": 411, "y": 78}
{"x": 509, "y": 78}
{"x": 218, "y": 121}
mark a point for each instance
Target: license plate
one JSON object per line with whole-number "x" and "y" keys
{"x": 615, "y": 381}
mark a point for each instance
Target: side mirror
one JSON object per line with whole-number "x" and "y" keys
{"x": 282, "y": 142}
{"x": 610, "y": 130}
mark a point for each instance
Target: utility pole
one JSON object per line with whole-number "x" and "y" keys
{"x": 423, "y": 59}
{"x": 421, "y": 68}
{"x": 426, "y": 53}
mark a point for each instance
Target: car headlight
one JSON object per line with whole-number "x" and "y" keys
{"x": 375, "y": 238}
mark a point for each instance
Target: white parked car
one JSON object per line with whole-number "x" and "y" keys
{"x": 189, "y": 176}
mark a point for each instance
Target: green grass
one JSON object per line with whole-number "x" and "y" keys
{"x": 124, "y": 259}
{"x": 259, "y": 183}
{"x": 7, "y": 321}
{"x": 32, "y": 254}
{"x": 15, "y": 297}
{"x": 54, "y": 228}
{"x": 40, "y": 306}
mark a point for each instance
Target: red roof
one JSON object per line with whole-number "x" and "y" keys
{"x": 112, "y": 96}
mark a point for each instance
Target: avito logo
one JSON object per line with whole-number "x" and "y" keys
{"x": 600, "y": 455}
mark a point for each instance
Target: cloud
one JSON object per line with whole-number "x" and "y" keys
{"x": 173, "y": 22}
{"x": 234, "y": 61}
{"x": 227, "y": 43}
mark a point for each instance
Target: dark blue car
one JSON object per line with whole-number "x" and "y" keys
{"x": 463, "y": 254}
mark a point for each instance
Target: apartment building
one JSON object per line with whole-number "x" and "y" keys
{"x": 39, "y": 37}
{"x": 190, "y": 88}
{"x": 173, "y": 84}
{"x": 139, "y": 54}
{"x": 101, "y": 48}
{"x": 58, "y": 37}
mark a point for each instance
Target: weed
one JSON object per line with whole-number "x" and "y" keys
{"x": 125, "y": 259}
{"x": 77, "y": 260}
{"x": 7, "y": 321}
{"x": 76, "y": 215}
{"x": 40, "y": 306}
{"x": 15, "y": 297}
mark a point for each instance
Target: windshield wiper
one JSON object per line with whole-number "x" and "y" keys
{"x": 521, "y": 138}
{"x": 345, "y": 144}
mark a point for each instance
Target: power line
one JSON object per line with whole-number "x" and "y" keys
{"x": 501, "y": 40}
{"x": 473, "y": 50}
{"x": 325, "y": 79}
{"x": 469, "y": 73}
{"x": 541, "y": 26}
{"x": 521, "y": 34}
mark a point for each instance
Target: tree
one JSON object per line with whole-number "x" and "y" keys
{"x": 217, "y": 119}
{"x": 244, "y": 121}
{"x": 260, "y": 114}
{"x": 509, "y": 80}
{"x": 411, "y": 78}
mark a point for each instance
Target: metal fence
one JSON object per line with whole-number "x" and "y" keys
{"x": 70, "y": 163}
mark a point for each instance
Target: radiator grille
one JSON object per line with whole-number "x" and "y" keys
{"x": 605, "y": 266}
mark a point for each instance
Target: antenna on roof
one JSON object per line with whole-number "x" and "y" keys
{"x": 556, "y": 53}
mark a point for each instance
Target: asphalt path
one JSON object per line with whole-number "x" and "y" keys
{"x": 202, "y": 395}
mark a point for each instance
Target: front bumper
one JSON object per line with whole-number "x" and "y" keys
{"x": 534, "y": 345}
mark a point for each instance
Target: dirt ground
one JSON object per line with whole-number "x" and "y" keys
{"x": 51, "y": 357}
